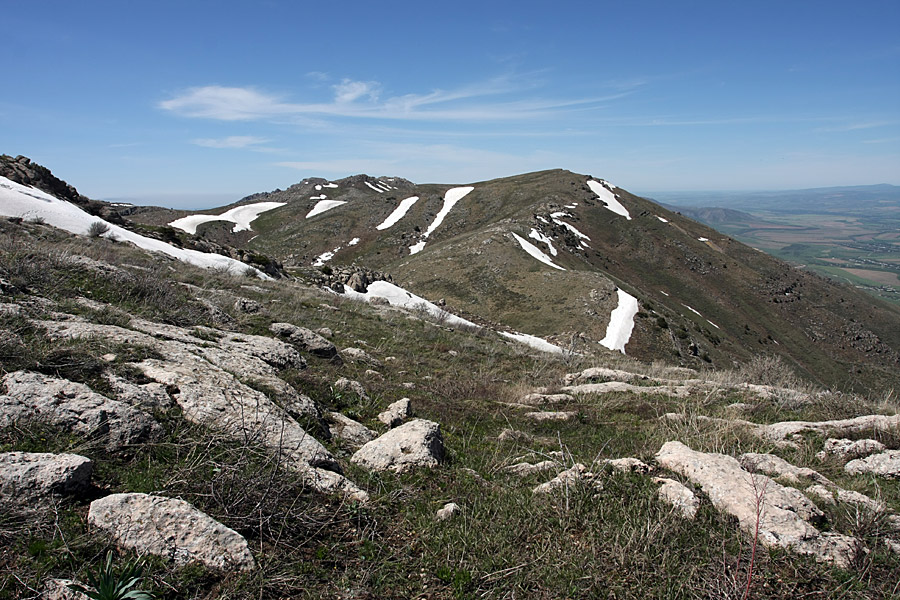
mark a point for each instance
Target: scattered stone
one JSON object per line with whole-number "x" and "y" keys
{"x": 352, "y": 433}
{"x": 524, "y": 469}
{"x": 601, "y": 373}
{"x": 370, "y": 374}
{"x": 109, "y": 358}
{"x": 782, "y": 514}
{"x": 360, "y": 355}
{"x": 551, "y": 415}
{"x": 396, "y": 413}
{"x": 674, "y": 391}
{"x": 778, "y": 467}
{"x": 247, "y": 306}
{"x": 343, "y": 384}
{"x": 840, "y": 495}
{"x": 538, "y": 399}
{"x": 679, "y": 496}
{"x": 417, "y": 443}
{"x": 146, "y": 396}
{"x": 449, "y": 510}
{"x": 29, "y": 476}
{"x": 325, "y": 332}
{"x": 58, "y": 589}
{"x": 453, "y": 353}
{"x": 864, "y": 424}
{"x": 628, "y": 465}
{"x": 408, "y": 385}
{"x": 170, "y": 528}
{"x": 514, "y": 435}
{"x": 886, "y": 464}
{"x": 849, "y": 449}
{"x": 304, "y": 339}
{"x": 73, "y": 407}
{"x": 575, "y": 475}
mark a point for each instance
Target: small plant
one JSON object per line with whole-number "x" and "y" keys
{"x": 97, "y": 228}
{"x": 113, "y": 584}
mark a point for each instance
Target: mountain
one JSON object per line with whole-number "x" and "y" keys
{"x": 547, "y": 254}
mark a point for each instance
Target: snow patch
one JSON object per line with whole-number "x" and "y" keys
{"x": 535, "y": 252}
{"x": 537, "y": 235}
{"x": 692, "y": 310}
{"x": 702, "y": 239}
{"x": 621, "y": 322}
{"x": 353, "y": 242}
{"x": 572, "y": 229}
{"x": 398, "y": 213}
{"x": 241, "y": 216}
{"x": 608, "y": 198}
{"x": 318, "y": 188}
{"x": 324, "y": 205}
{"x": 713, "y": 324}
{"x": 661, "y": 219}
{"x": 325, "y": 257}
{"x": 28, "y": 203}
{"x": 330, "y": 185}
{"x": 533, "y": 341}
{"x": 397, "y": 296}
{"x": 379, "y": 190}
{"x": 663, "y": 293}
{"x": 452, "y": 196}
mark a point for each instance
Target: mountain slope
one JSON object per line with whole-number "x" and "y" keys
{"x": 703, "y": 297}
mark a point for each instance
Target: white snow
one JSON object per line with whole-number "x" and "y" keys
{"x": 451, "y": 197}
{"x": 713, "y": 324}
{"x": 322, "y": 197}
{"x": 536, "y": 252}
{"x": 692, "y": 310}
{"x": 557, "y": 215}
{"x": 318, "y": 188}
{"x": 621, "y": 322}
{"x": 608, "y": 198}
{"x": 241, "y": 216}
{"x": 609, "y": 184}
{"x": 702, "y": 239}
{"x": 324, "y": 205}
{"x": 330, "y": 185}
{"x": 663, "y": 293}
{"x": 379, "y": 190}
{"x": 572, "y": 229}
{"x": 398, "y": 213}
{"x": 397, "y": 296}
{"x": 661, "y": 219}
{"x": 325, "y": 257}
{"x": 383, "y": 185}
{"x": 543, "y": 220}
{"x": 353, "y": 242}
{"x": 28, "y": 203}
{"x": 537, "y": 235}
{"x": 533, "y": 341}
{"x": 573, "y": 205}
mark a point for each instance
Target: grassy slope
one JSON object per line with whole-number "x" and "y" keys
{"x": 618, "y": 542}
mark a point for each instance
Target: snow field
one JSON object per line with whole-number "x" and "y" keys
{"x": 379, "y": 190}
{"x": 535, "y": 252}
{"x": 241, "y": 216}
{"x": 537, "y": 235}
{"x": 533, "y": 341}
{"x": 323, "y": 206}
{"x": 451, "y": 197}
{"x": 621, "y": 322}
{"x": 398, "y": 213}
{"x": 397, "y": 296}
{"x": 28, "y": 203}
{"x": 608, "y": 198}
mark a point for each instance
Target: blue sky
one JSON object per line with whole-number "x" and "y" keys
{"x": 199, "y": 103}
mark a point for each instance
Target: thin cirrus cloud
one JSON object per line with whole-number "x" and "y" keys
{"x": 361, "y": 99}
{"x": 234, "y": 141}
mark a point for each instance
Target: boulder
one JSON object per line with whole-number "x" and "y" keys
{"x": 836, "y": 494}
{"x": 351, "y": 433}
{"x": 304, "y": 339}
{"x": 360, "y": 355}
{"x": 75, "y": 408}
{"x": 170, "y": 528}
{"x": 347, "y": 385}
{"x": 29, "y": 476}
{"x": 886, "y": 464}
{"x": 247, "y": 306}
{"x": 396, "y": 413}
{"x": 781, "y": 514}
{"x": 849, "y": 449}
{"x": 417, "y": 443}
{"x": 679, "y": 496}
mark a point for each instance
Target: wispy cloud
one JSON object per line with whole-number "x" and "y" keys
{"x": 362, "y": 100}
{"x": 233, "y": 141}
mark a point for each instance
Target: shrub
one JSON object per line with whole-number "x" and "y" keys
{"x": 97, "y": 229}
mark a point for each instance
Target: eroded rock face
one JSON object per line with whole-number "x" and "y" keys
{"x": 784, "y": 514}
{"x": 886, "y": 464}
{"x": 73, "y": 407}
{"x": 417, "y": 443}
{"x": 29, "y": 476}
{"x": 396, "y": 413}
{"x": 304, "y": 339}
{"x": 170, "y": 528}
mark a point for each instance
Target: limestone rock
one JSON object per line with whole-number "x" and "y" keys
{"x": 360, "y": 355}
{"x": 628, "y": 465}
{"x": 778, "y": 467}
{"x": 886, "y": 464}
{"x": 73, "y": 407}
{"x": 784, "y": 521}
{"x": 524, "y": 469}
{"x": 170, "y": 528}
{"x": 571, "y": 477}
{"x": 396, "y": 413}
{"x": 841, "y": 495}
{"x": 538, "y": 399}
{"x": 58, "y": 589}
{"x": 675, "y": 391}
{"x": 247, "y": 306}
{"x": 679, "y": 496}
{"x": 28, "y": 476}
{"x": 551, "y": 415}
{"x": 514, "y": 435}
{"x": 352, "y": 433}
{"x": 145, "y": 396}
{"x": 849, "y": 449}
{"x": 343, "y": 385}
{"x": 867, "y": 423}
{"x": 601, "y": 373}
{"x": 450, "y": 509}
{"x": 417, "y": 443}
{"x": 304, "y": 339}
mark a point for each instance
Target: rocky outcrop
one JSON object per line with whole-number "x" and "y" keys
{"x": 347, "y": 385}
{"x": 350, "y": 433}
{"x": 857, "y": 425}
{"x": 835, "y": 494}
{"x": 679, "y": 497}
{"x": 170, "y": 528}
{"x": 75, "y": 408}
{"x": 304, "y": 339}
{"x": 849, "y": 449}
{"x": 783, "y": 515}
{"x": 29, "y": 476}
{"x": 776, "y": 466}
{"x": 396, "y": 413}
{"x": 675, "y": 391}
{"x": 627, "y": 465}
{"x": 885, "y": 464}
{"x": 549, "y": 415}
{"x": 417, "y": 443}
{"x": 145, "y": 396}
{"x": 539, "y": 399}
